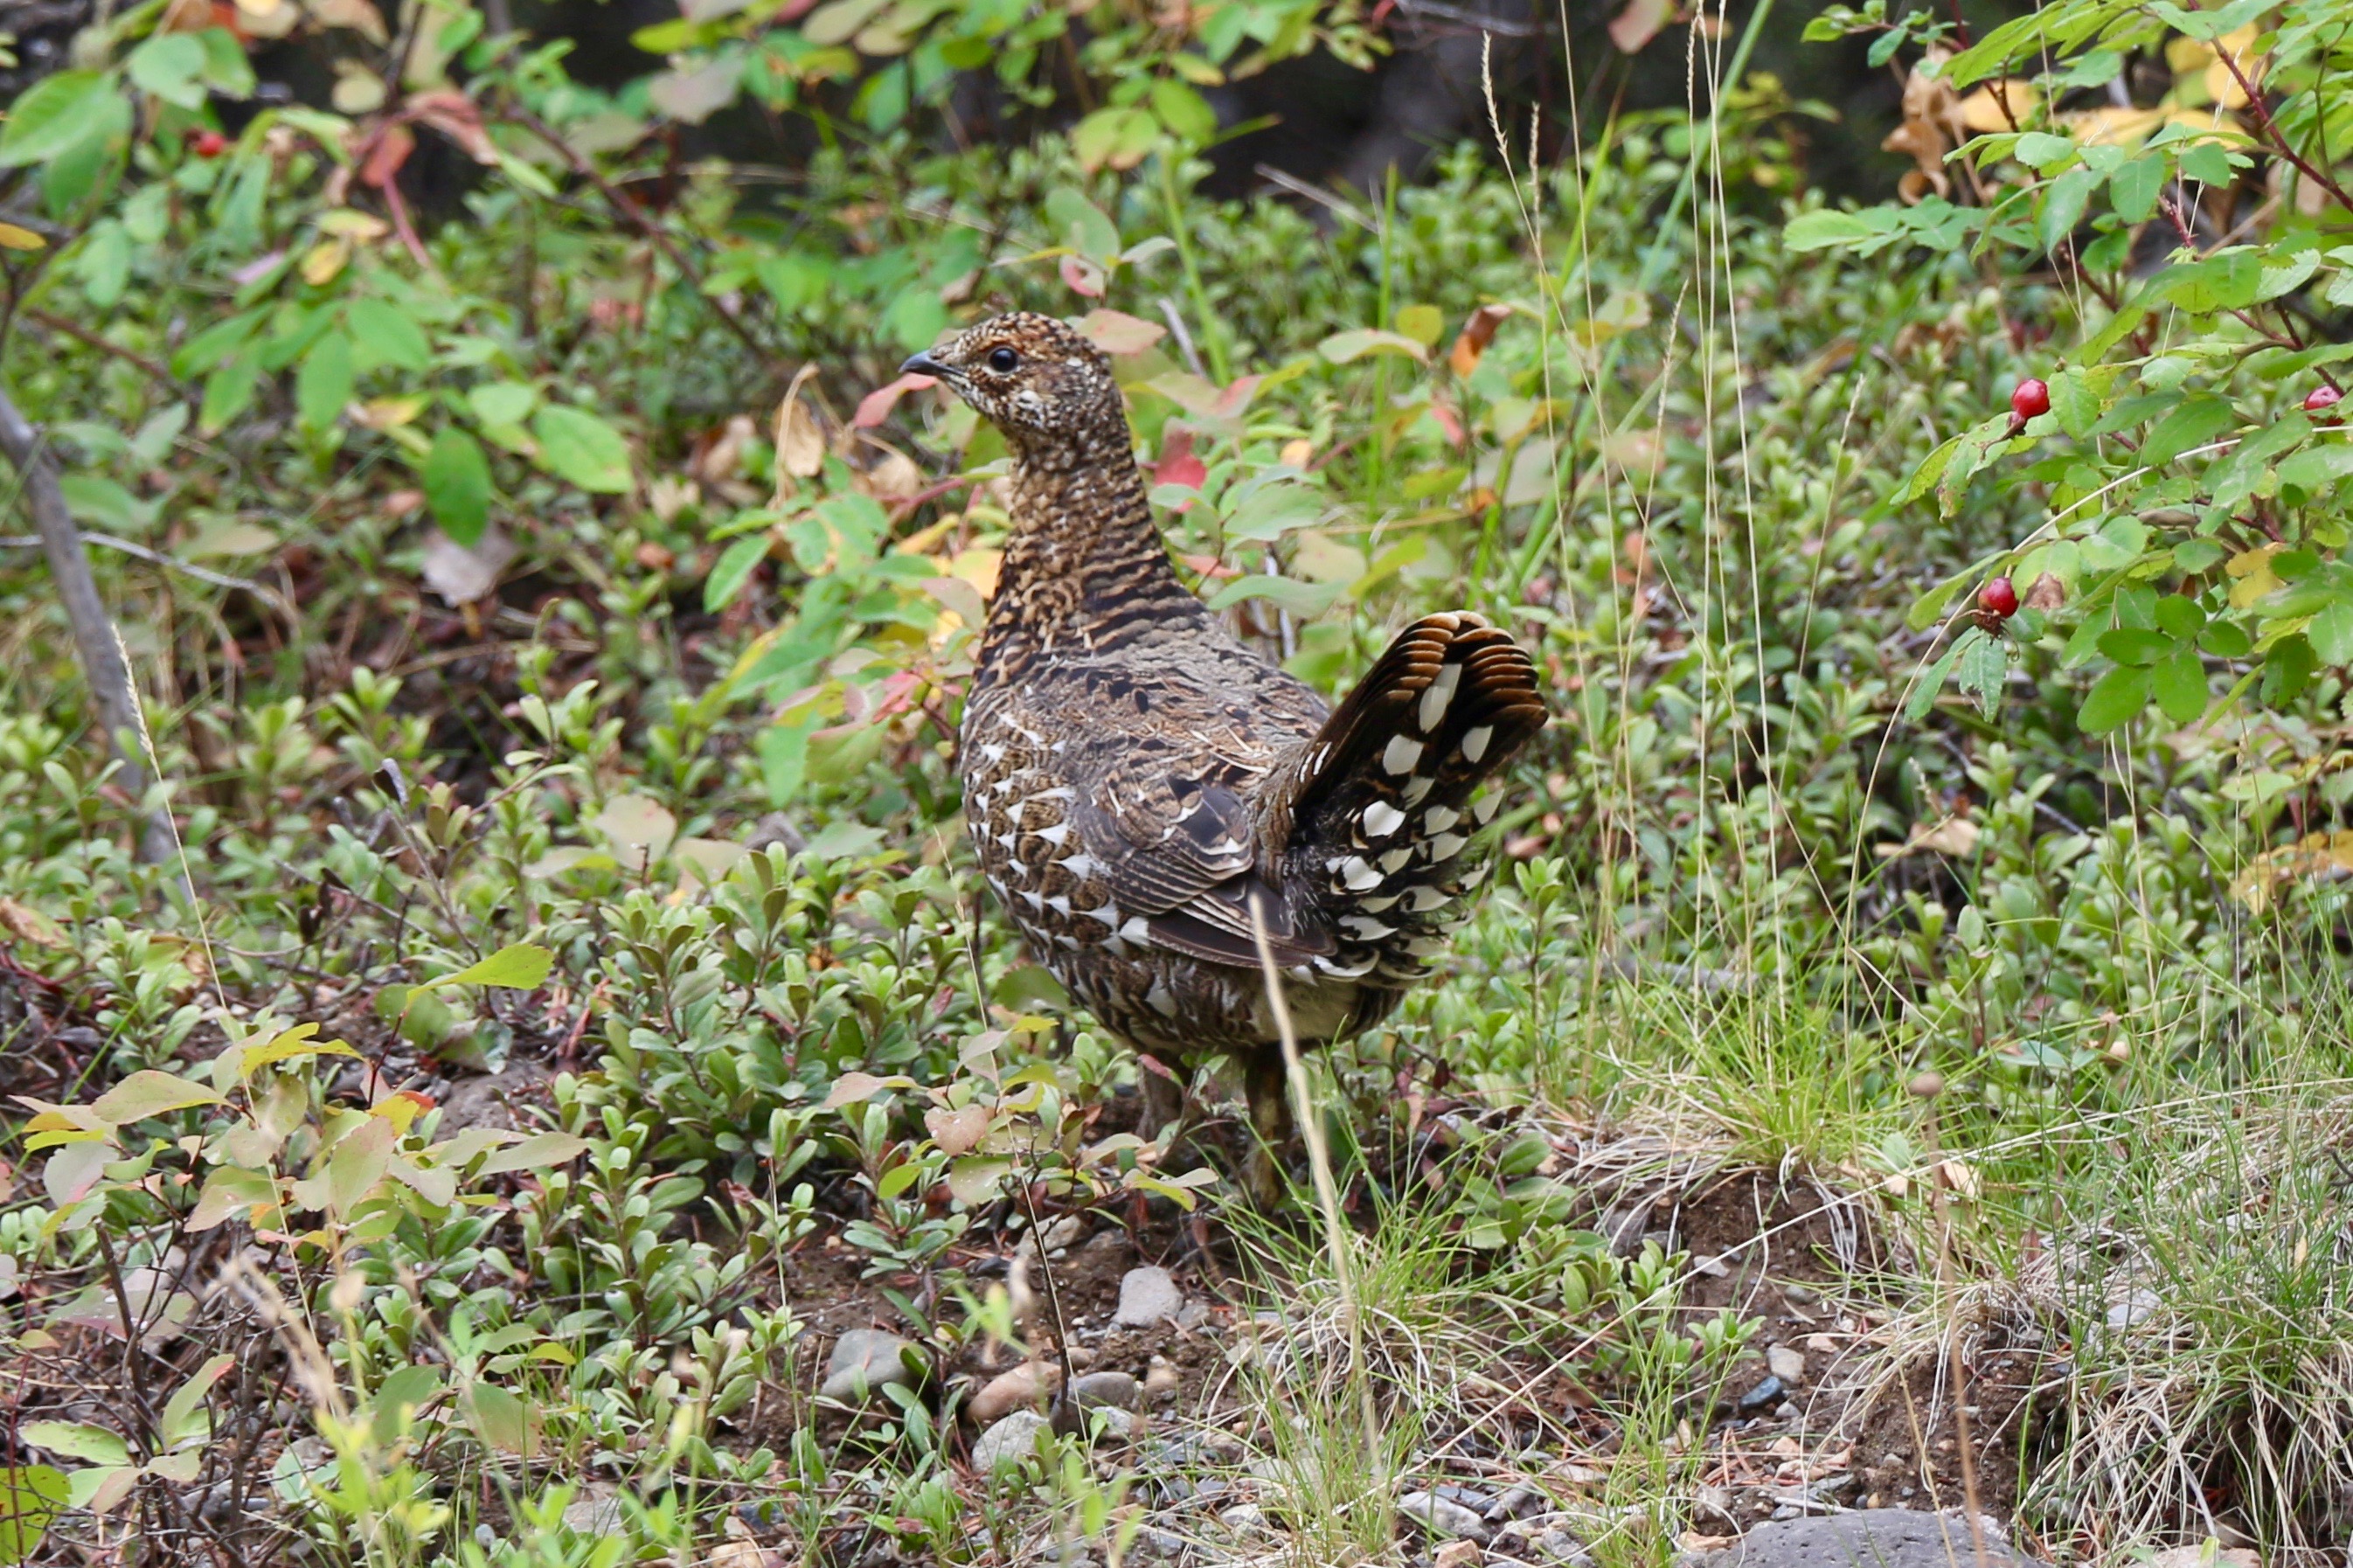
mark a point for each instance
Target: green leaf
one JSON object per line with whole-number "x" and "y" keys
{"x": 384, "y": 336}
{"x": 2194, "y": 423}
{"x": 148, "y": 1093}
{"x": 228, "y": 392}
{"x": 456, "y": 480}
{"x": 168, "y": 65}
{"x": 1823, "y": 230}
{"x": 226, "y": 71}
{"x": 734, "y": 569}
{"x": 1924, "y": 480}
{"x": 580, "y": 448}
{"x": 1344, "y": 348}
{"x": 2063, "y": 201}
{"x": 2317, "y": 468}
{"x": 324, "y": 384}
{"x": 2331, "y": 632}
{"x": 2113, "y": 698}
{"x": 2128, "y": 644}
{"x": 1983, "y": 668}
{"x": 54, "y": 116}
{"x": 1186, "y": 114}
{"x": 2133, "y": 189}
{"x": 503, "y": 1421}
{"x": 2076, "y": 403}
{"x": 30, "y": 1497}
{"x": 519, "y": 967}
{"x": 2179, "y": 686}
{"x": 503, "y": 402}
{"x": 93, "y": 1445}
{"x": 543, "y": 1151}
{"x": 183, "y": 1414}
{"x": 2223, "y": 282}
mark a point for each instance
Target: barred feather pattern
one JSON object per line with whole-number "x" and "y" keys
{"x": 1135, "y": 779}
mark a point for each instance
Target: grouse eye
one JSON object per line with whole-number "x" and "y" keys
{"x": 1004, "y": 361}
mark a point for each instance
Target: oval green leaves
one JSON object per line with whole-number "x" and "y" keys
{"x": 581, "y": 450}
{"x": 55, "y": 116}
{"x": 456, "y": 475}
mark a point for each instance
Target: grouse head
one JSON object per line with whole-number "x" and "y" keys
{"x": 1038, "y": 381}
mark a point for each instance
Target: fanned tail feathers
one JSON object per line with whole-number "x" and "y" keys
{"x": 1388, "y": 794}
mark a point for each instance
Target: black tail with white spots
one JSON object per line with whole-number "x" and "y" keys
{"x": 1390, "y": 792}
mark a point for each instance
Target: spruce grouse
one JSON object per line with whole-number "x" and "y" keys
{"x": 1134, "y": 778}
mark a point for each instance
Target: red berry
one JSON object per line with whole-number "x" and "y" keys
{"x": 2032, "y": 397}
{"x": 208, "y": 143}
{"x": 1998, "y": 598}
{"x": 2321, "y": 397}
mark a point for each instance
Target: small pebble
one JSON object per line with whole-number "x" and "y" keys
{"x": 1442, "y": 1516}
{"x": 864, "y": 1360}
{"x": 1458, "y": 1554}
{"x": 1764, "y": 1394}
{"x": 1787, "y": 1364}
{"x": 1024, "y": 1387}
{"x": 1012, "y": 1440}
{"x": 1160, "y": 1380}
{"x": 1115, "y": 1389}
{"x": 1146, "y": 1296}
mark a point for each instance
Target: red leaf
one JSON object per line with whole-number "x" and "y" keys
{"x": 1177, "y": 465}
{"x": 876, "y": 406}
{"x": 1448, "y": 421}
{"x": 1083, "y": 277}
{"x": 384, "y": 160}
{"x": 1116, "y": 332}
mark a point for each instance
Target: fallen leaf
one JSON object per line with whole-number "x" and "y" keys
{"x": 463, "y": 574}
{"x": 29, "y": 924}
{"x": 800, "y": 445}
{"x": 1477, "y": 333}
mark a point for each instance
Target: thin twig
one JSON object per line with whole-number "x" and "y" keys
{"x": 261, "y": 590}
{"x": 153, "y": 369}
{"x": 1175, "y": 321}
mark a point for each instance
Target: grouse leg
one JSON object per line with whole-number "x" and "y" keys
{"x": 1267, "y": 1088}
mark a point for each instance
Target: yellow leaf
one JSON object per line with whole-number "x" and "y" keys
{"x": 2253, "y": 568}
{"x": 15, "y": 238}
{"x": 324, "y": 260}
{"x": 1983, "y": 110}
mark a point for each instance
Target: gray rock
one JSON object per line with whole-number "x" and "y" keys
{"x": 1117, "y": 1425}
{"x": 863, "y": 1361}
{"x": 1786, "y": 1364}
{"x": 1520, "y": 1503}
{"x": 2133, "y": 1310}
{"x": 1442, "y": 1517}
{"x": 1560, "y": 1546}
{"x": 1114, "y": 1389}
{"x": 1242, "y": 1518}
{"x": 1156, "y": 1546}
{"x": 1010, "y": 1441}
{"x": 1146, "y": 1296}
{"x": 1873, "y": 1538}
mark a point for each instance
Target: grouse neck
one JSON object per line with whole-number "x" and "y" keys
{"x": 1084, "y": 565}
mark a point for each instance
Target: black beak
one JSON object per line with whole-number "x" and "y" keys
{"x": 922, "y": 365}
